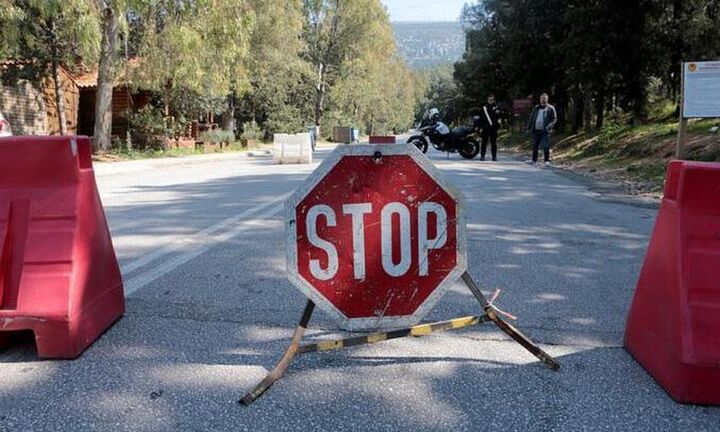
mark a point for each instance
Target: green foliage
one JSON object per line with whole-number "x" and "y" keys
{"x": 217, "y": 136}
{"x": 334, "y": 60}
{"x": 148, "y": 129}
{"x": 358, "y": 76}
{"x": 600, "y": 55}
{"x": 441, "y": 93}
{"x": 287, "y": 118}
{"x": 199, "y": 46}
{"x": 610, "y": 133}
{"x": 48, "y": 34}
{"x": 124, "y": 153}
{"x": 251, "y": 131}
{"x": 280, "y": 94}
{"x": 193, "y": 104}
{"x": 278, "y": 65}
{"x": 47, "y": 31}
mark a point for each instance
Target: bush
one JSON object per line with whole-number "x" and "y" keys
{"x": 179, "y": 126}
{"x": 217, "y": 136}
{"x": 251, "y": 131}
{"x": 148, "y": 129}
{"x": 284, "y": 119}
{"x": 610, "y": 133}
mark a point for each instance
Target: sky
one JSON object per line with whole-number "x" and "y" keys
{"x": 424, "y": 10}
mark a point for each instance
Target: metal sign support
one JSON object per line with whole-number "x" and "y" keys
{"x": 419, "y": 330}
{"x": 683, "y": 121}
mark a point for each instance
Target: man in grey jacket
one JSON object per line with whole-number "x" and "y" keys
{"x": 542, "y": 121}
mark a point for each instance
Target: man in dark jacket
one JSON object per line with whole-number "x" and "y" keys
{"x": 542, "y": 121}
{"x": 490, "y": 116}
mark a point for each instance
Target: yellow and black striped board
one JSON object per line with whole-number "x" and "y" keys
{"x": 418, "y": 330}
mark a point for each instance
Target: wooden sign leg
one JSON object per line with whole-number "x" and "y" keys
{"x": 279, "y": 370}
{"x": 506, "y": 327}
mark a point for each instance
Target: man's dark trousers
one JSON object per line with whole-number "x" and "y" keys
{"x": 489, "y": 133}
{"x": 540, "y": 137}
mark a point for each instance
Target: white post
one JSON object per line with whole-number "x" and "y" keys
{"x": 682, "y": 124}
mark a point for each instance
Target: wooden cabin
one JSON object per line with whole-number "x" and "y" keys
{"x": 31, "y": 109}
{"x": 30, "y": 106}
{"x": 125, "y": 101}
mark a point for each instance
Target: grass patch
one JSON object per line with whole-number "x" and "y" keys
{"x": 637, "y": 154}
{"x": 119, "y": 154}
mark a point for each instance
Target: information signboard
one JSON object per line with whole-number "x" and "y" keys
{"x": 701, "y": 82}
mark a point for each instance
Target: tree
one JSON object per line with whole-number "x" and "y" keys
{"x": 48, "y": 34}
{"x": 280, "y": 80}
{"x": 682, "y": 30}
{"x": 199, "y": 46}
{"x": 227, "y": 26}
{"x": 334, "y": 31}
{"x": 105, "y": 83}
{"x": 375, "y": 90}
{"x": 591, "y": 52}
{"x": 442, "y": 93}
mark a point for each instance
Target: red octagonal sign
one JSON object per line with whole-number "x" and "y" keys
{"x": 375, "y": 236}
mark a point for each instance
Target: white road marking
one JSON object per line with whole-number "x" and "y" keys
{"x": 198, "y": 249}
{"x": 198, "y": 238}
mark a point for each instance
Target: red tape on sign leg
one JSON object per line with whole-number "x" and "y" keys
{"x": 511, "y": 331}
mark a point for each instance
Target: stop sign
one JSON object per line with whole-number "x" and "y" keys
{"x": 375, "y": 236}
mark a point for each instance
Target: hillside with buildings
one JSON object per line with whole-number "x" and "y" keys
{"x": 427, "y": 44}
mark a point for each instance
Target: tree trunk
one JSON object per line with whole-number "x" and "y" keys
{"x": 587, "y": 111}
{"x": 578, "y": 111}
{"x": 59, "y": 98}
{"x": 228, "y": 117}
{"x": 561, "y": 104}
{"x": 600, "y": 109}
{"x": 103, "y": 101}
{"x": 320, "y": 96}
{"x": 562, "y": 114}
{"x": 59, "y": 94}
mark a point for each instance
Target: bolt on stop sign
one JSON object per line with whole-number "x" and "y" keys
{"x": 375, "y": 236}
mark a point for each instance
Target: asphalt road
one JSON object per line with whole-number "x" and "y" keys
{"x": 209, "y": 312}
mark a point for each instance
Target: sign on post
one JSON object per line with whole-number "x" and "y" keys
{"x": 699, "y": 96}
{"x": 701, "y": 89}
{"x": 375, "y": 236}
{"x": 522, "y": 105}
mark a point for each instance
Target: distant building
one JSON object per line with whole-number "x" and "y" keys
{"x": 31, "y": 109}
{"x": 125, "y": 101}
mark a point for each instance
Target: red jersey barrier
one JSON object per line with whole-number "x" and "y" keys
{"x": 673, "y": 329}
{"x": 59, "y": 276}
{"x": 382, "y": 139}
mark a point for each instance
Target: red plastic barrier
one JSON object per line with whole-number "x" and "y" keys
{"x": 382, "y": 139}
{"x": 59, "y": 276}
{"x": 673, "y": 329}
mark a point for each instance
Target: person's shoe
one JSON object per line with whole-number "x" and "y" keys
{"x": 494, "y": 159}
{"x": 530, "y": 162}
{"x": 547, "y": 164}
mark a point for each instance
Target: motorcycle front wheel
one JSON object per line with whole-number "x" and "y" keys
{"x": 421, "y": 144}
{"x": 469, "y": 149}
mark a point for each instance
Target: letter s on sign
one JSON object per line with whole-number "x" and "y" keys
{"x": 311, "y": 224}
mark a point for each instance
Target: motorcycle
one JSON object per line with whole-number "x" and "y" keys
{"x": 433, "y": 131}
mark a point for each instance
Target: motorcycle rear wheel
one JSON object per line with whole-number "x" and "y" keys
{"x": 421, "y": 144}
{"x": 470, "y": 149}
